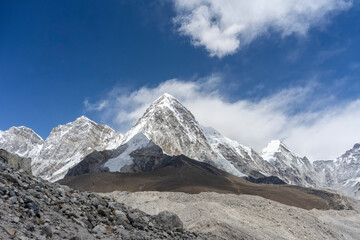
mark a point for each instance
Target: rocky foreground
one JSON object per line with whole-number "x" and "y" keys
{"x": 31, "y": 208}
{"x": 231, "y": 216}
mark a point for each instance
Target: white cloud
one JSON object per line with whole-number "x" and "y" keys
{"x": 223, "y": 26}
{"x": 97, "y": 106}
{"x": 321, "y": 129}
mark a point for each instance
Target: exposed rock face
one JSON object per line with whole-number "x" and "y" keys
{"x": 289, "y": 167}
{"x": 68, "y": 144}
{"x": 240, "y": 157}
{"x": 15, "y": 161}
{"x": 172, "y": 127}
{"x": 266, "y": 180}
{"x": 342, "y": 174}
{"x": 326, "y": 172}
{"x": 31, "y": 208}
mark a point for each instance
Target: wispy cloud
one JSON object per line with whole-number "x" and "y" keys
{"x": 355, "y": 66}
{"x": 330, "y": 53}
{"x": 311, "y": 123}
{"x": 224, "y": 26}
{"x": 96, "y": 106}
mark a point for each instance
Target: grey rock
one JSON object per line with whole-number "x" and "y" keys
{"x": 12, "y": 193}
{"x": 99, "y": 229}
{"x": 169, "y": 221}
{"x": 47, "y": 231}
{"x": 3, "y": 190}
{"x": 16, "y": 161}
{"x": 13, "y": 200}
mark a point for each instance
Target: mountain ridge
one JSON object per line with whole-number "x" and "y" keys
{"x": 172, "y": 127}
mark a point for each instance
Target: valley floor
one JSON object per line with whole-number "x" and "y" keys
{"x": 230, "y": 216}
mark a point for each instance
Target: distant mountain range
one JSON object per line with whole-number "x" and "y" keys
{"x": 167, "y": 128}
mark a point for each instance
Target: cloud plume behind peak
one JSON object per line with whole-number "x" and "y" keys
{"x": 311, "y": 124}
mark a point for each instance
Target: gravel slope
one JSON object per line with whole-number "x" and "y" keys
{"x": 230, "y": 216}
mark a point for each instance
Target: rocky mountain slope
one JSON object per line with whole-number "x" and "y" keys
{"x": 182, "y": 174}
{"x": 289, "y": 167}
{"x": 31, "y": 208}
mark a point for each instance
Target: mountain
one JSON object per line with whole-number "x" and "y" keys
{"x": 182, "y": 174}
{"x": 63, "y": 148}
{"x": 139, "y": 154}
{"x": 21, "y": 141}
{"x": 243, "y": 158}
{"x": 174, "y": 128}
{"x": 343, "y": 173}
{"x": 168, "y": 128}
{"x": 348, "y": 172}
{"x": 68, "y": 144}
{"x": 289, "y": 167}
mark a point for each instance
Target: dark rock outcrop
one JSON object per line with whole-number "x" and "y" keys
{"x": 266, "y": 180}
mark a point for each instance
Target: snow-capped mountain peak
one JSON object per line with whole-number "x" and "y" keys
{"x": 352, "y": 155}
{"x": 274, "y": 146}
{"x": 172, "y": 127}
{"x": 290, "y": 167}
{"x": 68, "y": 144}
{"x": 22, "y": 141}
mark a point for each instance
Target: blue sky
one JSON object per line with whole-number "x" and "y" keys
{"x": 55, "y": 56}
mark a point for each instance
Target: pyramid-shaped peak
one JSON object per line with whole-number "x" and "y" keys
{"x": 83, "y": 118}
{"x": 166, "y": 99}
{"x": 166, "y": 103}
{"x": 167, "y": 95}
{"x": 165, "y": 114}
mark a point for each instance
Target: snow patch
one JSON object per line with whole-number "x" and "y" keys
{"x": 137, "y": 142}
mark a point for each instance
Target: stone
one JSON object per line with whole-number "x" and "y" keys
{"x": 104, "y": 213}
{"x": 30, "y": 227}
{"x": 10, "y": 178}
{"x": 99, "y": 229}
{"x": 12, "y": 193}
{"x": 12, "y": 200}
{"x": 16, "y": 219}
{"x": 47, "y": 231}
{"x": 169, "y": 221}
{"x": 32, "y": 205}
{"x": 3, "y": 191}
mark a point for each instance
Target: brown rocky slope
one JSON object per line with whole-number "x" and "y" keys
{"x": 181, "y": 174}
